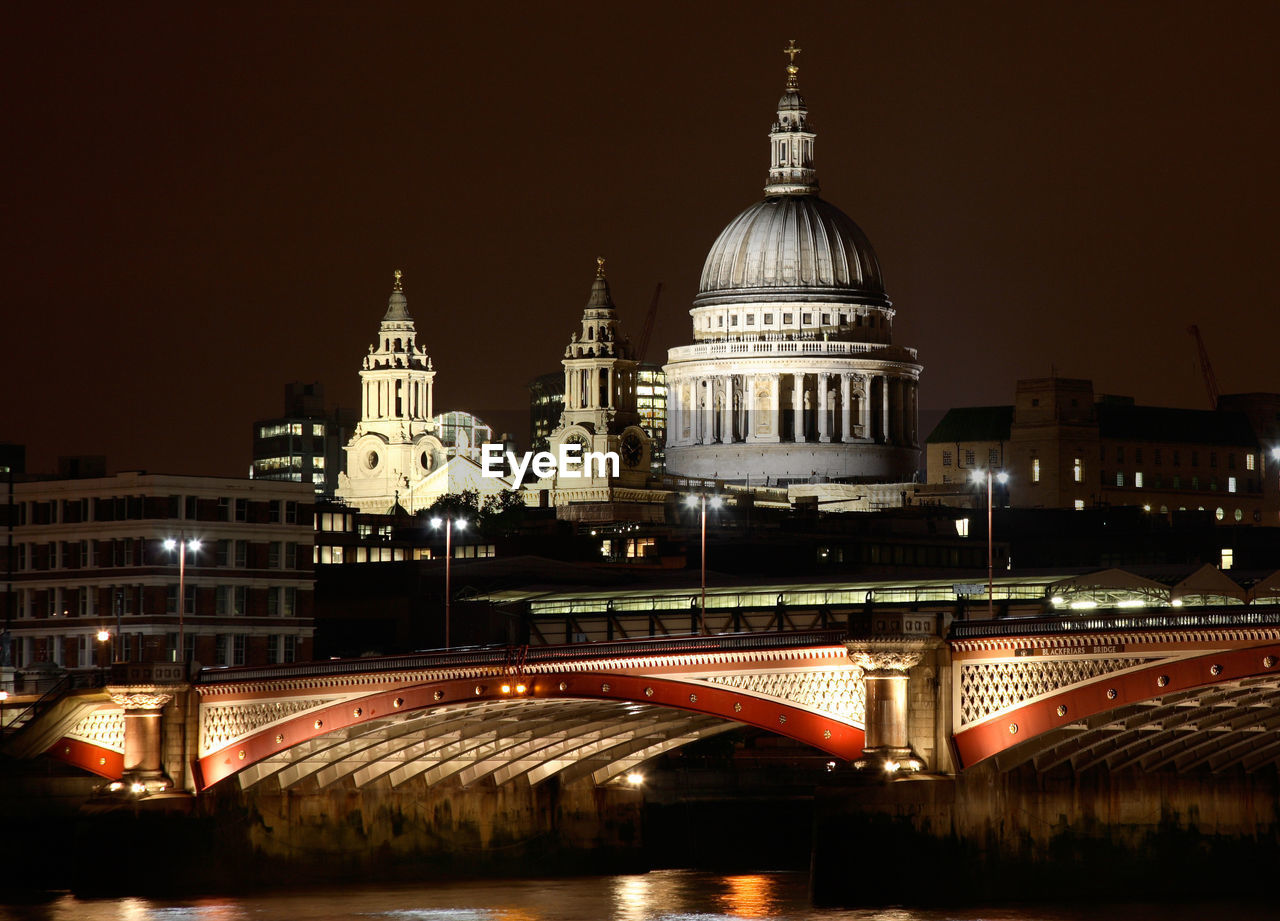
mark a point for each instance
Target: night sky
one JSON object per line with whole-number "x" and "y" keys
{"x": 202, "y": 205}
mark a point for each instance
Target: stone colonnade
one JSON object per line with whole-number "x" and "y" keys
{"x": 816, "y": 407}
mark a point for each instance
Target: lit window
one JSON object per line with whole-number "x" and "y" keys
{"x": 1239, "y": 514}
{"x": 1231, "y": 484}
{"x": 1035, "y": 470}
{"x": 962, "y": 527}
{"x": 1218, "y": 513}
{"x": 1248, "y": 461}
{"x": 317, "y": 429}
{"x": 1119, "y": 478}
{"x": 1077, "y": 472}
{"x": 1137, "y": 479}
{"x": 968, "y": 458}
{"x": 1228, "y": 557}
{"x": 1079, "y": 505}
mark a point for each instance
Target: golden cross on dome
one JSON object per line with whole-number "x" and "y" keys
{"x": 398, "y": 274}
{"x": 791, "y": 50}
{"x": 599, "y": 266}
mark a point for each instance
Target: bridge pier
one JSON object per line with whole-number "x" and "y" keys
{"x": 154, "y": 699}
{"x": 888, "y": 647}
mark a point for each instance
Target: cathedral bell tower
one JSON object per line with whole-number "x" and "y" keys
{"x": 394, "y": 447}
{"x": 600, "y": 397}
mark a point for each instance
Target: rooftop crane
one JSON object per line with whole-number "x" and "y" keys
{"x": 1206, "y": 369}
{"x": 647, "y": 331}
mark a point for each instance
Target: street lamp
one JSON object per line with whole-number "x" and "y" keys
{"x": 977, "y": 476}
{"x": 450, "y": 524}
{"x": 695, "y": 502}
{"x": 182, "y": 545}
{"x": 103, "y": 636}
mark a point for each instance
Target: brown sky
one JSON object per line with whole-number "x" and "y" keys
{"x": 200, "y": 206}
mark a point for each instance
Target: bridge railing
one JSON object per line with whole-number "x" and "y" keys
{"x": 507, "y": 657}
{"x": 1101, "y": 622}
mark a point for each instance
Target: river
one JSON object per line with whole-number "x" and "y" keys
{"x": 663, "y": 895}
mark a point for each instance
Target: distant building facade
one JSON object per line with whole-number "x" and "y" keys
{"x": 1065, "y": 448}
{"x": 90, "y": 554}
{"x": 304, "y": 445}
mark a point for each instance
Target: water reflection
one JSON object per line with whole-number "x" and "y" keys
{"x": 667, "y": 895}
{"x": 749, "y": 896}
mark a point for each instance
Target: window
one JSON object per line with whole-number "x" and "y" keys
{"x": 224, "y": 509}
{"x": 290, "y": 602}
{"x": 1079, "y": 506}
{"x": 240, "y": 600}
{"x": 1239, "y": 515}
{"x": 1120, "y": 455}
{"x": 733, "y": 320}
{"x": 993, "y": 457}
{"x": 242, "y": 510}
{"x": 239, "y": 641}
{"x": 290, "y": 556}
{"x": 273, "y": 602}
{"x": 1119, "y": 478}
{"x": 768, "y": 318}
{"x": 1195, "y": 458}
{"x": 1228, "y": 557}
{"x": 222, "y": 601}
{"x": 720, "y": 321}
{"x": 1177, "y": 482}
{"x": 1137, "y": 479}
{"x": 1137, "y": 455}
{"x": 1035, "y": 470}
{"x": 751, "y": 319}
{"x": 317, "y": 430}
{"x": 291, "y": 513}
{"x": 1213, "y": 458}
{"x": 826, "y": 319}
{"x": 1248, "y": 461}
{"x": 1195, "y": 482}
{"x": 221, "y": 552}
{"x": 242, "y": 554}
{"x": 969, "y": 458}
{"x": 1077, "y": 471}
{"x": 273, "y": 555}
{"x": 190, "y": 605}
{"x": 786, "y": 318}
{"x": 1177, "y": 459}
{"x": 1231, "y": 484}
{"x": 806, "y": 318}
{"x": 1155, "y": 456}
{"x": 1218, "y": 513}
{"x": 221, "y": 649}
{"x": 1231, "y": 460}
{"x": 273, "y": 511}
{"x": 946, "y": 458}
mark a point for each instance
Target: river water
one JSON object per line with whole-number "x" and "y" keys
{"x": 663, "y": 895}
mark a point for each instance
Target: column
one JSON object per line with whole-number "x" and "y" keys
{"x": 887, "y": 745}
{"x": 610, "y": 381}
{"x": 846, "y": 410}
{"x": 709, "y": 412}
{"x": 775, "y": 409}
{"x": 884, "y": 408}
{"x": 143, "y": 753}
{"x": 797, "y": 402}
{"x": 824, "y": 427}
{"x": 726, "y": 417}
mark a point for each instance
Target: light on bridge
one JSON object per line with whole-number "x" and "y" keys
{"x": 635, "y": 778}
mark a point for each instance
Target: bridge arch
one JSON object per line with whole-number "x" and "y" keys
{"x": 1145, "y": 715}
{"x": 485, "y": 725}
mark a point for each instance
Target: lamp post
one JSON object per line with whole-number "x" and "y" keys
{"x": 182, "y": 545}
{"x": 696, "y": 502}
{"x": 104, "y": 637}
{"x": 449, "y": 524}
{"x": 977, "y": 477}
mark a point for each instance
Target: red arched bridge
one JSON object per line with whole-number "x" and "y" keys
{"x": 899, "y": 690}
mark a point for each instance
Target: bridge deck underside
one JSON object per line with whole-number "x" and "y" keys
{"x": 1216, "y": 728}
{"x": 526, "y": 740}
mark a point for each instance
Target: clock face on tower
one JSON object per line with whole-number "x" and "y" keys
{"x": 584, "y": 445}
{"x": 631, "y": 448}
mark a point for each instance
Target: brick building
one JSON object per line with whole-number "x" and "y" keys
{"x": 1065, "y": 448}
{"x": 90, "y": 555}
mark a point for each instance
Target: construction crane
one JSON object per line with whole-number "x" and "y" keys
{"x": 1206, "y": 369}
{"x": 647, "y": 331}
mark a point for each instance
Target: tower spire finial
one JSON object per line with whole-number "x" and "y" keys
{"x": 398, "y": 275}
{"x": 599, "y": 266}
{"x": 793, "y": 69}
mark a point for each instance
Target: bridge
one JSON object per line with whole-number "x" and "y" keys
{"x": 891, "y": 690}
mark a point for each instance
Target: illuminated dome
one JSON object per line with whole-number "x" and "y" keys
{"x": 789, "y": 248}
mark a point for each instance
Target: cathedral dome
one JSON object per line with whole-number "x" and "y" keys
{"x": 788, "y": 248}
